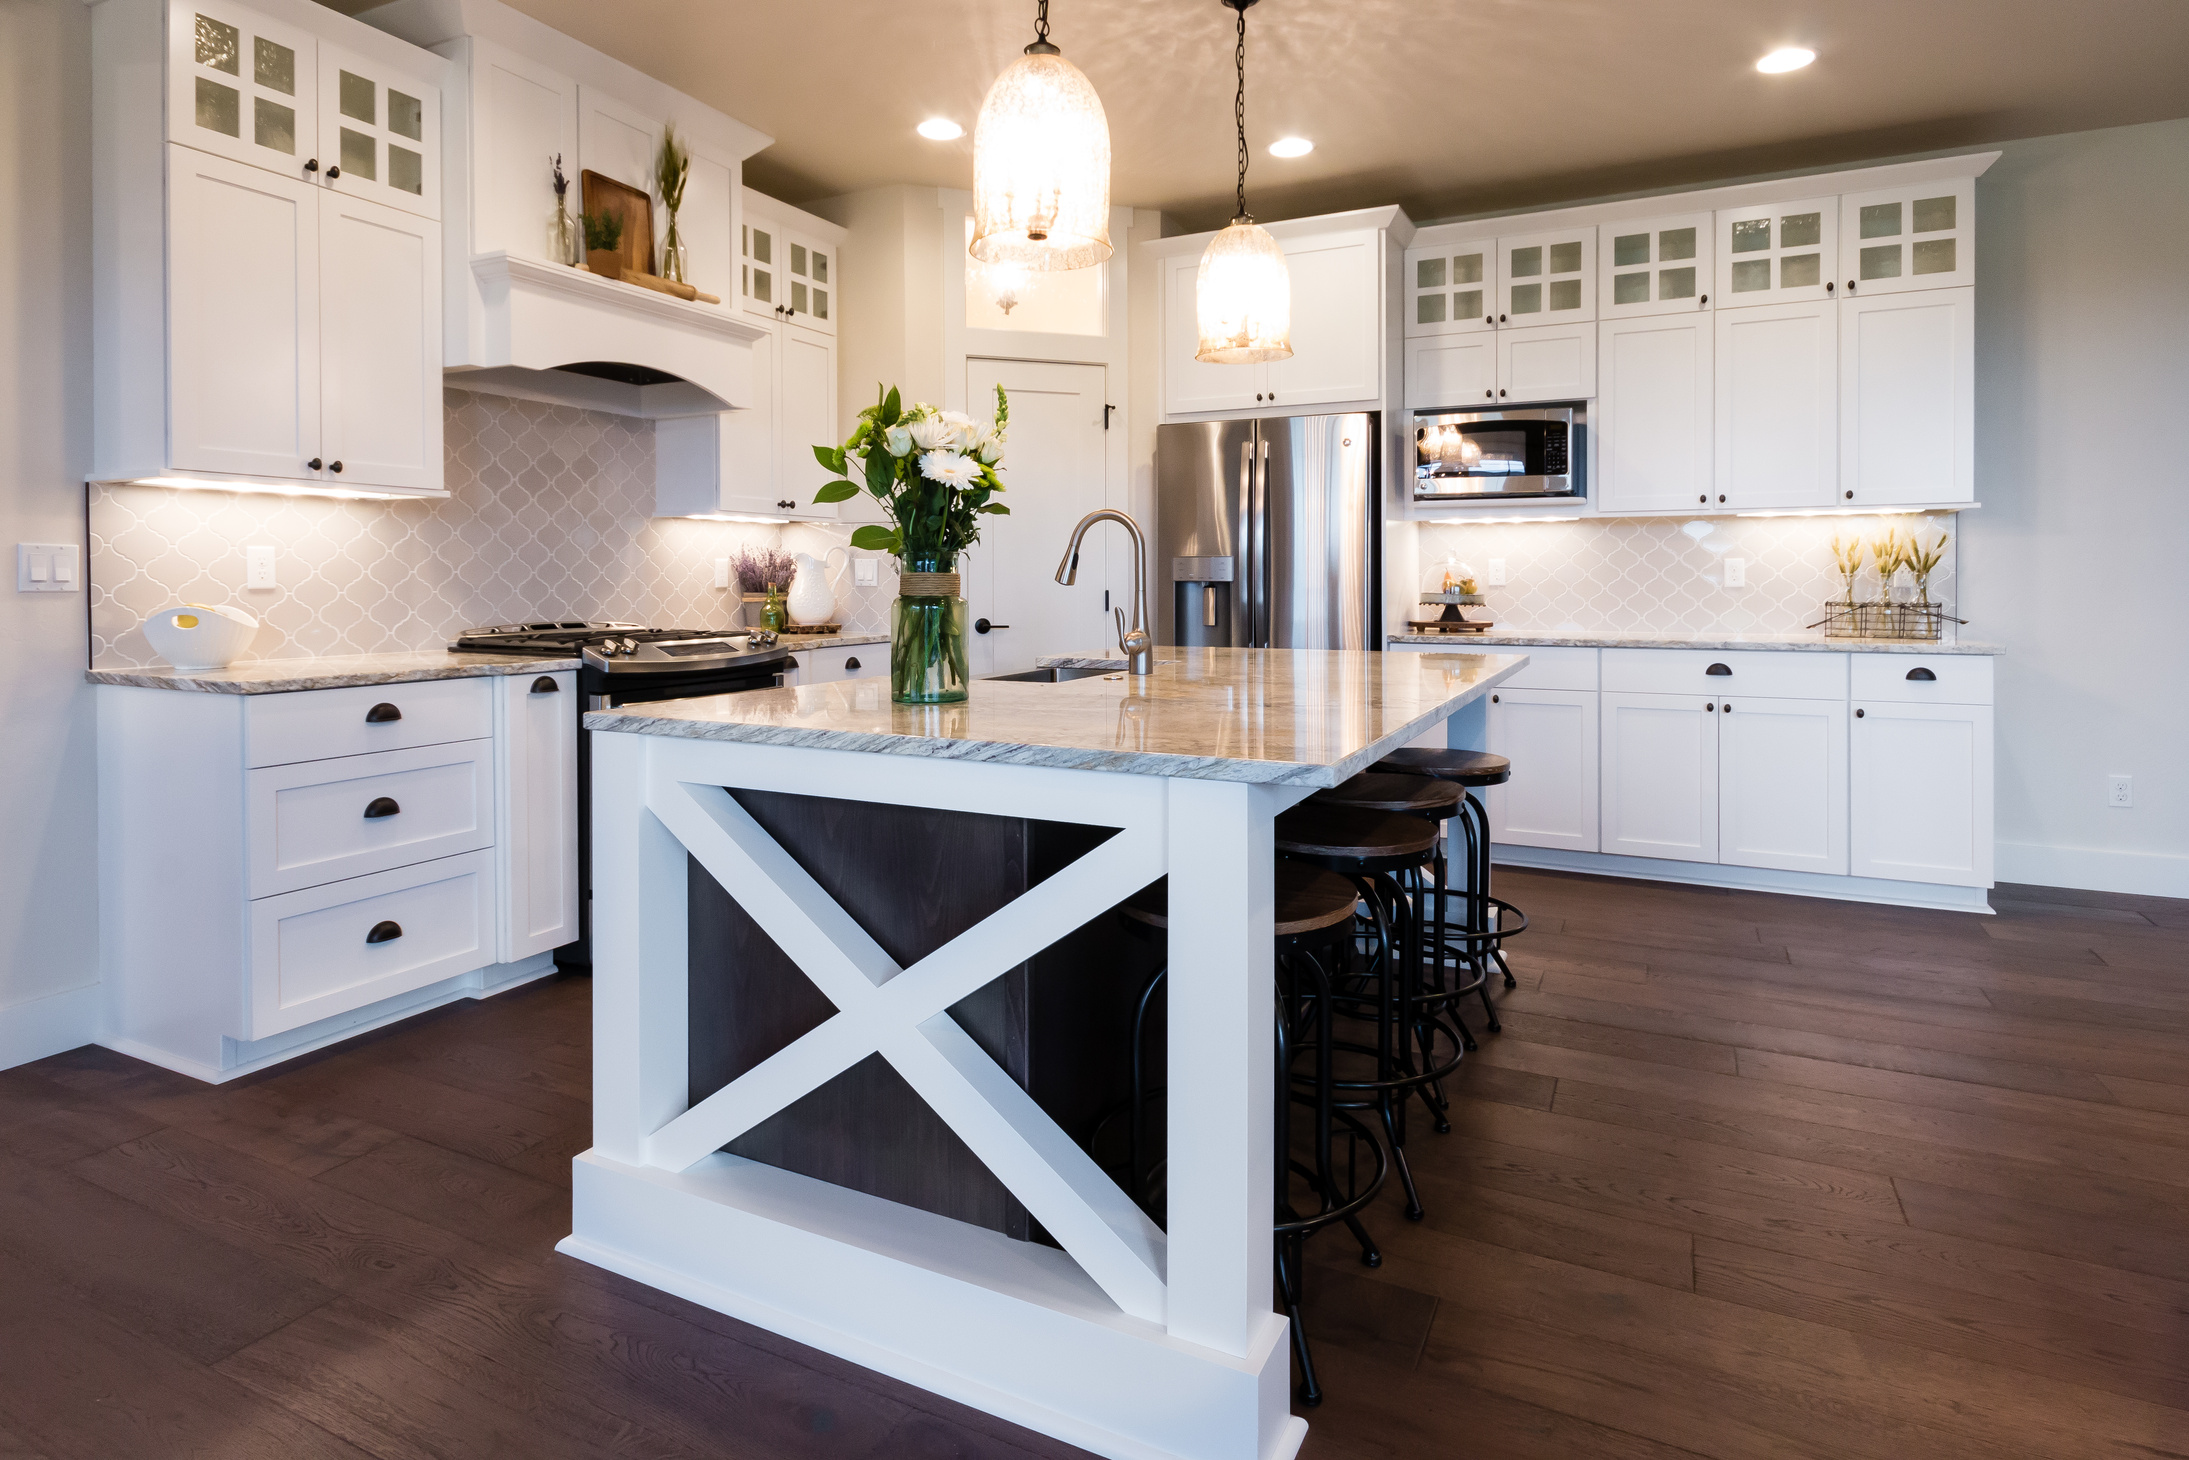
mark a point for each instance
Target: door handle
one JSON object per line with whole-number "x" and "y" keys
{"x": 982, "y": 626}
{"x": 545, "y": 685}
{"x": 381, "y": 806}
{"x": 382, "y": 714}
{"x": 851, "y": 664}
{"x": 1717, "y": 669}
{"x": 384, "y": 932}
{"x": 1922, "y": 675}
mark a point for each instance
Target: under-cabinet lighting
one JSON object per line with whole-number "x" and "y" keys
{"x": 1497, "y": 521}
{"x": 940, "y": 129}
{"x": 733, "y": 517}
{"x": 279, "y": 489}
{"x": 1847, "y": 512}
{"x": 1291, "y": 147}
{"x": 1785, "y": 58}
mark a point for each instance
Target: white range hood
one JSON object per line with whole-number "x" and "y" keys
{"x": 519, "y": 321}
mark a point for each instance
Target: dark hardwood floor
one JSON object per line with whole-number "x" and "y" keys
{"x": 1743, "y": 1176}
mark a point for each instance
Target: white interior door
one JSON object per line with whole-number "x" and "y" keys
{"x": 380, "y": 362}
{"x": 1660, "y": 769}
{"x": 1782, "y": 784}
{"x": 1550, "y": 737}
{"x": 1054, "y": 470}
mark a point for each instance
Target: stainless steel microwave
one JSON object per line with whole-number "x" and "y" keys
{"x": 1522, "y": 451}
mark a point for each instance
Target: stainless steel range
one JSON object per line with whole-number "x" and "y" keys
{"x": 630, "y": 664}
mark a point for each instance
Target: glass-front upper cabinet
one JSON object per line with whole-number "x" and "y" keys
{"x": 809, "y": 281}
{"x": 1451, "y": 289}
{"x": 1778, "y": 253}
{"x": 379, "y": 132}
{"x": 761, "y": 256}
{"x": 1908, "y": 238}
{"x": 242, "y": 86}
{"x": 1547, "y": 278}
{"x": 1655, "y": 266}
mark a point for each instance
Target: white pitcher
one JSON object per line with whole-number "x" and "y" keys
{"x": 811, "y": 600}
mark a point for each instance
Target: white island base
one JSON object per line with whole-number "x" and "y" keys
{"x": 1127, "y": 1340}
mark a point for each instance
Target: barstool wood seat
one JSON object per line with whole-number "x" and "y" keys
{"x": 1461, "y": 767}
{"x": 1308, "y": 899}
{"x": 1388, "y": 791}
{"x": 1313, "y": 830}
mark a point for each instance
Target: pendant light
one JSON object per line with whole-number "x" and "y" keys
{"x": 1243, "y": 294}
{"x": 1041, "y": 164}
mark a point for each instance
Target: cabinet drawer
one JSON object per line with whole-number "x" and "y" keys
{"x": 314, "y": 954}
{"x": 321, "y": 820}
{"x": 856, "y": 661}
{"x": 1553, "y": 667}
{"x": 1794, "y": 676}
{"x": 317, "y": 724}
{"x": 1948, "y": 679}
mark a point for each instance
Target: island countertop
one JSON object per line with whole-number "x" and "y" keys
{"x": 1274, "y": 716}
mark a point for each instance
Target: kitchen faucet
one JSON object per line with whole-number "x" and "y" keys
{"x": 1137, "y": 642}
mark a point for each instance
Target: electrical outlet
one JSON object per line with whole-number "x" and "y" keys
{"x": 1495, "y": 577}
{"x": 258, "y": 568}
{"x": 2120, "y": 790}
{"x": 1736, "y": 572}
{"x": 45, "y": 567}
{"x": 721, "y": 572}
{"x": 866, "y": 572}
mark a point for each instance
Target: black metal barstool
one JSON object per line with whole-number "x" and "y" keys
{"x": 1379, "y": 851}
{"x": 1489, "y": 920}
{"x": 1313, "y": 921}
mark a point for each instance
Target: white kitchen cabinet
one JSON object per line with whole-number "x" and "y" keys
{"x": 536, "y": 839}
{"x": 1907, "y": 413}
{"x": 1547, "y": 278}
{"x": 1649, "y": 266}
{"x": 380, "y": 345}
{"x": 1920, "y": 778}
{"x": 1547, "y": 362}
{"x": 1777, "y": 388}
{"x": 1451, "y": 288}
{"x": 1451, "y": 372}
{"x": 787, "y": 264}
{"x": 1550, "y": 736}
{"x": 379, "y": 131}
{"x": 240, "y": 84}
{"x": 1777, "y": 253}
{"x": 1655, "y": 412}
{"x": 1913, "y": 236}
{"x": 1782, "y": 784}
{"x": 1660, "y": 776}
{"x": 829, "y": 663}
{"x": 522, "y": 114}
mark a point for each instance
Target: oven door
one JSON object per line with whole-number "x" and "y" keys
{"x": 1534, "y": 451}
{"x": 609, "y": 691}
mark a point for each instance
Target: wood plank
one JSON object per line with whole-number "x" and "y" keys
{"x": 448, "y": 1189}
{"x": 358, "y": 1084}
{"x": 1603, "y": 1037}
{"x": 266, "y": 1122}
{"x": 2147, "y": 1247}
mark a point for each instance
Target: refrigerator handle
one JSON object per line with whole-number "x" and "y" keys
{"x": 1243, "y": 584}
{"x": 1263, "y": 573}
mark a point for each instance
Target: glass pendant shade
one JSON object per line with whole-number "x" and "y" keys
{"x": 1243, "y": 298}
{"x": 1041, "y": 168}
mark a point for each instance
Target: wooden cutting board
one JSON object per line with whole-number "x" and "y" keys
{"x": 602, "y": 194}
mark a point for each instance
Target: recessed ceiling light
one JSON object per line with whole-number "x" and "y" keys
{"x": 1785, "y": 58}
{"x": 940, "y": 129}
{"x": 1291, "y": 147}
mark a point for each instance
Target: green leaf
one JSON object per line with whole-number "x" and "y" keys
{"x": 830, "y": 457}
{"x": 874, "y": 539}
{"x": 835, "y": 492}
{"x": 881, "y": 467}
{"x": 996, "y": 509}
{"x": 892, "y": 407}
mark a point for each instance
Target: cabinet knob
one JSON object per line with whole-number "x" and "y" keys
{"x": 381, "y": 806}
{"x": 1710, "y": 709}
{"x": 1489, "y": 319}
{"x": 1922, "y": 676}
{"x": 314, "y": 463}
{"x": 382, "y": 714}
{"x": 1858, "y": 714}
{"x": 545, "y": 685}
{"x": 1850, "y": 496}
{"x": 1827, "y": 286}
{"x": 334, "y": 466}
{"x": 1489, "y": 395}
{"x": 1503, "y": 317}
{"x": 1704, "y": 300}
{"x": 312, "y": 165}
{"x": 851, "y": 664}
{"x": 786, "y": 506}
{"x": 1726, "y": 708}
{"x": 1721, "y": 496}
{"x": 1850, "y": 286}
{"x": 1704, "y": 497}
{"x": 1718, "y": 669}
{"x": 332, "y": 174}
{"x": 1493, "y": 699}
{"x": 1501, "y": 392}
{"x": 385, "y": 932}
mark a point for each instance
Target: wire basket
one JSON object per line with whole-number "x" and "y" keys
{"x": 1878, "y": 618}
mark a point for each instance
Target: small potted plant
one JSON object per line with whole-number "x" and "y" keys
{"x": 604, "y": 244}
{"x": 762, "y": 576}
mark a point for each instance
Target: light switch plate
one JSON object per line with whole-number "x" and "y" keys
{"x": 1736, "y": 572}
{"x": 258, "y": 568}
{"x": 721, "y": 572}
{"x": 45, "y": 567}
{"x": 866, "y": 572}
{"x": 1495, "y": 577}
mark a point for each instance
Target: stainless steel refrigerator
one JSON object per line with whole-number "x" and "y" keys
{"x": 1266, "y": 533}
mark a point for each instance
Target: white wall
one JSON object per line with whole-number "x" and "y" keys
{"x": 48, "y": 871}
{"x": 2076, "y": 560}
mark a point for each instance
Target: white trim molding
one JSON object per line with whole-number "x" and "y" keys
{"x": 1751, "y": 879}
{"x": 2095, "y": 869}
{"x": 46, "y": 1025}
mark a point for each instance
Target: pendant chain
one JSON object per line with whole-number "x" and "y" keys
{"x": 1239, "y": 109}
{"x": 1041, "y": 23}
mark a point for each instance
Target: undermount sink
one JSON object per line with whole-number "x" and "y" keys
{"x": 1054, "y": 674}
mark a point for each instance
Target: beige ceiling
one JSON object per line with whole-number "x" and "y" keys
{"x": 1445, "y": 106}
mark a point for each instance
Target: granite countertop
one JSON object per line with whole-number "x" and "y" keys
{"x": 1645, "y": 639}
{"x": 795, "y": 641}
{"x": 1276, "y": 716}
{"x": 282, "y": 676}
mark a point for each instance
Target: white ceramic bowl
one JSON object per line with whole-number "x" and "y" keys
{"x": 200, "y": 636}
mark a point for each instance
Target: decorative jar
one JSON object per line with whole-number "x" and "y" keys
{"x": 927, "y": 634}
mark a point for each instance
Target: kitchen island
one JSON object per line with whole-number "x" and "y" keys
{"x": 1111, "y": 1333}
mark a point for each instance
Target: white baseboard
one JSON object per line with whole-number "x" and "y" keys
{"x": 2094, "y": 869}
{"x": 1749, "y": 879}
{"x": 35, "y": 1028}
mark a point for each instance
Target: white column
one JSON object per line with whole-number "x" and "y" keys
{"x": 1222, "y": 1061}
{"x": 641, "y": 941}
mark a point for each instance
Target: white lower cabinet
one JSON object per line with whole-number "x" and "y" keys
{"x": 1782, "y": 784}
{"x": 1660, "y": 773}
{"x": 1550, "y": 737}
{"x": 537, "y": 796}
{"x": 1920, "y": 787}
{"x": 826, "y": 665}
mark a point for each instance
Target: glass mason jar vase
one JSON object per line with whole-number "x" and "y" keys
{"x": 927, "y": 634}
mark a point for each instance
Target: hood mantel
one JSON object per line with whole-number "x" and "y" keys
{"x": 538, "y": 318}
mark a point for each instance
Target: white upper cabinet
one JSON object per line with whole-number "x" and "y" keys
{"x": 1190, "y": 386}
{"x": 1907, "y": 398}
{"x": 242, "y": 85}
{"x": 1778, "y": 253}
{"x": 1904, "y": 238}
{"x": 1452, "y": 372}
{"x": 1655, "y": 266}
{"x": 1547, "y": 278}
{"x": 523, "y": 115}
{"x": 1777, "y": 406}
{"x": 1451, "y": 288}
{"x": 1655, "y": 413}
{"x": 380, "y": 357}
{"x": 1550, "y": 362}
{"x": 379, "y": 132}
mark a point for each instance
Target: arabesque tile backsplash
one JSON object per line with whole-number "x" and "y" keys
{"x": 1666, "y": 574}
{"x": 549, "y": 515}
